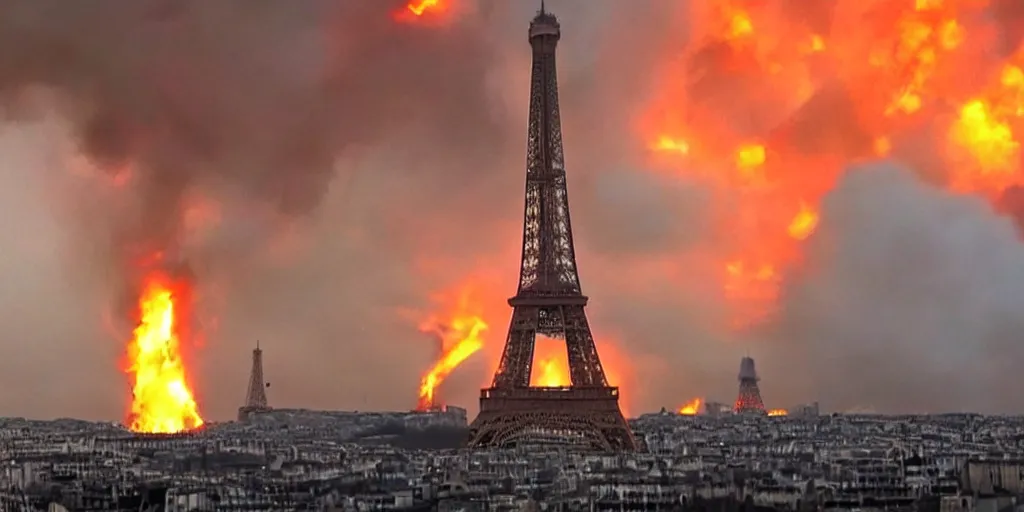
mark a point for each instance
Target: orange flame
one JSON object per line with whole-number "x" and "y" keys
{"x": 422, "y": 6}
{"x": 460, "y": 337}
{"x": 162, "y": 401}
{"x": 989, "y": 142}
{"x": 665, "y": 143}
{"x": 691, "y": 408}
{"x": 550, "y": 363}
{"x": 416, "y": 10}
{"x": 804, "y": 223}
{"x": 778, "y": 412}
{"x": 749, "y": 160}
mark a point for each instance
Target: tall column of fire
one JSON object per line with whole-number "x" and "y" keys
{"x": 162, "y": 397}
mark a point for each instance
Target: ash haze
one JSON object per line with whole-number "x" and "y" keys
{"x": 324, "y": 171}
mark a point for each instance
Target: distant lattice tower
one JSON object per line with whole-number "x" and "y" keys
{"x": 749, "y": 399}
{"x": 256, "y": 396}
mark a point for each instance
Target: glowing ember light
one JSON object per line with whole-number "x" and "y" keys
{"x": 989, "y": 141}
{"x": 737, "y": 268}
{"x": 1012, "y": 76}
{"x": 422, "y": 12}
{"x": 665, "y": 143}
{"x": 804, "y": 222}
{"x": 162, "y": 401}
{"x": 749, "y": 162}
{"x": 740, "y": 25}
{"x": 817, "y": 44}
{"x": 750, "y": 156}
{"x": 691, "y": 408}
{"x": 778, "y": 412}
{"x": 1012, "y": 80}
{"x": 422, "y": 6}
{"x": 951, "y": 35}
{"x": 922, "y": 40}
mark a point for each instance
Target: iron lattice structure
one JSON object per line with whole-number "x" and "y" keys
{"x": 749, "y": 400}
{"x": 549, "y": 300}
{"x": 256, "y": 395}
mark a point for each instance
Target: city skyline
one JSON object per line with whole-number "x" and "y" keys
{"x": 333, "y": 226}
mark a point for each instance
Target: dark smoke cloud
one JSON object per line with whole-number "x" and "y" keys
{"x": 908, "y": 301}
{"x": 256, "y": 106}
{"x": 257, "y": 99}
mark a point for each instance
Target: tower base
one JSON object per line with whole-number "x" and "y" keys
{"x": 585, "y": 417}
{"x": 750, "y": 411}
{"x": 246, "y": 413}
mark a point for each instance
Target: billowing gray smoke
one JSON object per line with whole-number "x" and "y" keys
{"x": 256, "y": 99}
{"x": 909, "y": 300}
{"x": 245, "y": 113}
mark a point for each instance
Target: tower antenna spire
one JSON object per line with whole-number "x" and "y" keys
{"x": 542, "y": 10}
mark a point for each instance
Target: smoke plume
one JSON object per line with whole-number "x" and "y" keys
{"x": 908, "y": 300}
{"x": 217, "y": 124}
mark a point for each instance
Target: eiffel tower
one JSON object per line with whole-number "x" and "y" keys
{"x": 256, "y": 395}
{"x": 749, "y": 399}
{"x": 549, "y": 301}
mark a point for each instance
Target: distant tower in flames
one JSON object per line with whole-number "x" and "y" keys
{"x": 749, "y": 399}
{"x": 256, "y": 396}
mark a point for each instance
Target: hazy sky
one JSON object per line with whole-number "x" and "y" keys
{"x": 325, "y": 172}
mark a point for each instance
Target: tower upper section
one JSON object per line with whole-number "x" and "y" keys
{"x": 545, "y": 28}
{"x": 747, "y": 371}
{"x": 549, "y": 258}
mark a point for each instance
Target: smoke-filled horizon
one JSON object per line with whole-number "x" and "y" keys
{"x": 330, "y": 174}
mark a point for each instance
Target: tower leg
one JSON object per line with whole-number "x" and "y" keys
{"x": 584, "y": 362}
{"x": 516, "y": 364}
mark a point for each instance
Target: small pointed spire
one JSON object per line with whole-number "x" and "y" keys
{"x": 257, "y": 344}
{"x": 542, "y": 10}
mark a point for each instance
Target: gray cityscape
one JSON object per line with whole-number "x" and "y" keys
{"x": 352, "y": 461}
